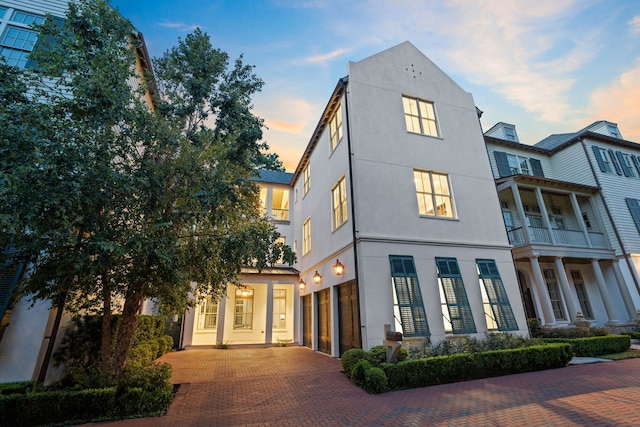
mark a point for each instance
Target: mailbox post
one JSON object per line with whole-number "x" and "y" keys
{"x": 392, "y": 343}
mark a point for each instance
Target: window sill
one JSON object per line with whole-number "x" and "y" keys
{"x": 340, "y": 226}
{"x": 424, "y": 134}
{"x": 446, "y": 218}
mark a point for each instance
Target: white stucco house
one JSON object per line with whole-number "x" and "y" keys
{"x": 571, "y": 208}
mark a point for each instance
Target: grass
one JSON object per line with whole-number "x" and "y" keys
{"x": 629, "y": 354}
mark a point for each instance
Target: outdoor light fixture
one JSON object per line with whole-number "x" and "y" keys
{"x": 317, "y": 278}
{"x": 301, "y": 285}
{"x": 338, "y": 267}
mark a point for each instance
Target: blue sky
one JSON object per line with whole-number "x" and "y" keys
{"x": 546, "y": 66}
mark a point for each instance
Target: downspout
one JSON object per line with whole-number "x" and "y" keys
{"x": 613, "y": 224}
{"x": 343, "y": 84}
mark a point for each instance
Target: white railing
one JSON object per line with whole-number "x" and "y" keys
{"x": 569, "y": 237}
{"x": 598, "y": 240}
{"x": 562, "y": 237}
{"x": 539, "y": 235}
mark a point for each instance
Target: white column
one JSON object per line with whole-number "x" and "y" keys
{"x": 624, "y": 290}
{"x": 543, "y": 292}
{"x": 566, "y": 290}
{"x": 268, "y": 327}
{"x": 545, "y": 215}
{"x": 521, "y": 214}
{"x": 222, "y": 306}
{"x": 602, "y": 285}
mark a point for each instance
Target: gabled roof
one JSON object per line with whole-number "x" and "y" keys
{"x": 273, "y": 177}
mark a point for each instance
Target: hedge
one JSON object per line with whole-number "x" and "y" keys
{"x": 595, "y": 346}
{"x": 462, "y": 367}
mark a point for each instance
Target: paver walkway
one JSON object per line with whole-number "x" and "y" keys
{"x": 294, "y": 386}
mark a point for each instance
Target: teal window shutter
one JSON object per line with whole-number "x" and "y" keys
{"x": 536, "y": 167}
{"x": 498, "y": 299}
{"x": 409, "y": 297}
{"x": 623, "y": 164}
{"x": 9, "y": 276}
{"x": 599, "y": 159}
{"x": 456, "y": 296}
{"x": 612, "y": 155}
{"x": 634, "y": 208}
{"x": 503, "y": 163}
{"x": 636, "y": 163}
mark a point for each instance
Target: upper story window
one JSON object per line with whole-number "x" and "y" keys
{"x": 263, "y": 199}
{"x": 613, "y": 130}
{"x": 610, "y": 161}
{"x": 306, "y": 236}
{"x": 306, "y": 179}
{"x": 18, "y": 39}
{"x": 420, "y": 116}
{"x": 339, "y": 203}
{"x": 512, "y": 164}
{"x": 280, "y": 204}
{"x": 510, "y": 134}
{"x": 335, "y": 128}
{"x": 434, "y": 194}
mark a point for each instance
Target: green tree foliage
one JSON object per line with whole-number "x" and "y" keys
{"x": 109, "y": 198}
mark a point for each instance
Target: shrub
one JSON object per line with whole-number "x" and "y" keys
{"x": 359, "y": 372}
{"x": 22, "y": 387}
{"x": 377, "y": 355}
{"x": 375, "y": 381}
{"x": 350, "y": 357}
{"x": 633, "y": 335}
{"x": 596, "y": 346}
{"x": 535, "y": 327}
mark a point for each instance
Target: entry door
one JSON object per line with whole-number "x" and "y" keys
{"x": 307, "y": 324}
{"x": 348, "y": 316}
{"x": 324, "y": 321}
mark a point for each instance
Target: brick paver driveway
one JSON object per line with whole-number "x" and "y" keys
{"x": 295, "y": 386}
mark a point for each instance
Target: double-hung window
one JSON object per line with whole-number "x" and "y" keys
{"x": 420, "y": 116}
{"x": 518, "y": 165}
{"x": 280, "y": 204}
{"x": 434, "y": 194}
{"x": 339, "y": 203}
{"x": 497, "y": 309}
{"x": 279, "y": 309}
{"x": 456, "y": 311}
{"x": 306, "y": 236}
{"x": 554, "y": 294}
{"x": 581, "y": 292}
{"x": 306, "y": 179}
{"x": 208, "y": 314}
{"x": 335, "y": 128}
{"x": 18, "y": 39}
{"x": 409, "y": 313}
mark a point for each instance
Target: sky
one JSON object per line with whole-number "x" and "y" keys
{"x": 545, "y": 66}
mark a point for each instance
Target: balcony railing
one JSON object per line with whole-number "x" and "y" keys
{"x": 280, "y": 214}
{"x": 540, "y": 235}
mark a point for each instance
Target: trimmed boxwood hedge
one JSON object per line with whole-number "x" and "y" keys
{"x": 462, "y": 367}
{"x": 595, "y": 346}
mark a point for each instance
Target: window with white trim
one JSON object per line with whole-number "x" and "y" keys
{"x": 420, "y": 116}
{"x": 433, "y": 193}
{"x": 306, "y": 236}
{"x": 518, "y": 165}
{"x": 280, "y": 204}
{"x": 581, "y": 292}
{"x": 554, "y": 294}
{"x": 335, "y": 128}
{"x": 243, "y": 314}
{"x": 306, "y": 179}
{"x": 18, "y": 38}
{"x": 279, "y": 309}
{"x": 339, "y": 203}
{"x": 208, "y": 314}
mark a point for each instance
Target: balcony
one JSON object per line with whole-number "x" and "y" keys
{"x": 540, "y": 235}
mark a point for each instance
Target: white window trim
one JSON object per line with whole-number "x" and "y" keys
{"x": 341, "y": 209}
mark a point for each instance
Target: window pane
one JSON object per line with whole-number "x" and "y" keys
{"x": 280, "y": 204}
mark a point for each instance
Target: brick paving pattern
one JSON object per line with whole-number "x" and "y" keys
{"x": 294, "y": 386}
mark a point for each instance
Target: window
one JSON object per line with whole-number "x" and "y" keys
{"x": 306, "y": 236}
{"x": 581, "y": 291}
{"x": 280, "y": 204}
{"x": 419, "y": 116}
{"x": 306, "y": 179}
{"x": 335, "y": 128}
{"x": 408, "y": 308}
{"x": 434, "y": 195}
{"x": 243, "y": 315}
{"x": 511, "y": 164}
{"x": 497, "y": 309}
{"x": 634, "y": 209}
{"x": 554, "y": 294}
{"x": 26, "y": 18}
{"x": 263, "y": 200}
{"x": 606, "y": 160}
{"x": 510, "y": 133}
{"x": 339, "y": 203}
{"x": 208, "y": 313}
{"x": 518, "y": 165}
{"x": 16, "y": 45}
{"x": 279, "y": 309}
{"x": 456, "y": 311}
{"x": 613, "y": 130}
{"x": 625, "y": 164}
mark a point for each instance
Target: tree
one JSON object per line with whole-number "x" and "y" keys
{"x": 117, "y": 201}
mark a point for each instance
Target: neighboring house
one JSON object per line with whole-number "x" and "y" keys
{"x": 25, "y": 329}
{"x": 571, "y": 208}
{"x": 263, "y": 310}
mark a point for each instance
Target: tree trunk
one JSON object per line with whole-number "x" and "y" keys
{"x": 105, "y": 346}
{"x": 132, "y": 304}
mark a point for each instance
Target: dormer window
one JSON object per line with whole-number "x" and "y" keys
{"x": 510, "y": 134}
{"x": 613, "y": 130}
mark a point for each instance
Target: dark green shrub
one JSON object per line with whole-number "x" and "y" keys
{"x": 377, "y": 355}
{"x": 359, "y": 372}
{"x": 17, "y": 387}
{"x": 535, "y": 327}
{"x": 375, "y": 381}
{"x": 350, "y": 357}
{"x": 633, "y": 335}
{"x": 596, "y": 346}
{"x": 403, "y": 354}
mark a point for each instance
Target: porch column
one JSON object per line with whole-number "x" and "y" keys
{"x": 602, "y": 285}
{"x": 624, "y": 290}
{"x": 545, "y": 215}
{"x": 521, "y": 214}
{"x": 545, "y": 301}
{"x": 578, "y": 214}
{"x": 268, "y": 327}
{"x": 566, "y": 290}
{"x": 222, "y": 306}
